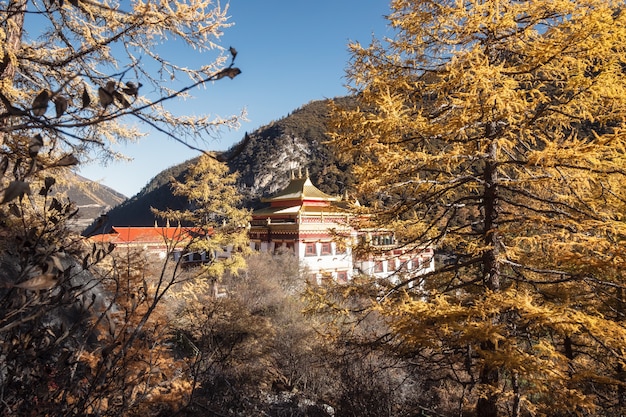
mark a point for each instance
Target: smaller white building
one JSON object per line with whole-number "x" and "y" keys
{"x": 387, "y": 259}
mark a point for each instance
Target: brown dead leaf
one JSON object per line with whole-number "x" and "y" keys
{"x": 40, "y": 282}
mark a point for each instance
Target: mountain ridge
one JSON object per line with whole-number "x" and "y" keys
{"x": 264, "y": 164}
{"x": 90, "y": 197}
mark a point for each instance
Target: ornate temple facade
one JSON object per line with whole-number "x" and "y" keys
{"x": 316, "y": 227}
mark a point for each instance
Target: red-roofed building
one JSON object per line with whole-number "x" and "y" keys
{"x": 158, "y": 240}
{"x": 300, "y": 219}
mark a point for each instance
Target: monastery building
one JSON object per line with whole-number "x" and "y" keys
{"x": 316, "y": 227}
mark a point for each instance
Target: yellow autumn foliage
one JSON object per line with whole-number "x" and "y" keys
{"x": 495, "y": 132}
{"x": 213, "y": 208}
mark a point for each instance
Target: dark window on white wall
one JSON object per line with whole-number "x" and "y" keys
{"x": 310, "y": 249}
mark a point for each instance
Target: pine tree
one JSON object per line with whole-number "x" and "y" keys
{"x": 494, "y": 131}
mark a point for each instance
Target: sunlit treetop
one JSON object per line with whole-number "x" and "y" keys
{"x": 85, "y": 74}
{"x": 532, "y": 88}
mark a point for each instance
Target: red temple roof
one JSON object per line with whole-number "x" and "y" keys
{"x": 147, "y": 234}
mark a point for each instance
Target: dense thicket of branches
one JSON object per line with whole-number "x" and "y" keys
{"x": 492, "y": 130}
{"x": 80, "y": 333}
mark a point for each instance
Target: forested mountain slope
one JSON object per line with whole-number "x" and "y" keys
{"x": 263, "y": 158}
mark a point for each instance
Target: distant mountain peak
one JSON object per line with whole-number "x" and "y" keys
{"x": 91, "y": 198}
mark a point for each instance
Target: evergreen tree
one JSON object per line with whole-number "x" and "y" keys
{"x": 494, "y": 131}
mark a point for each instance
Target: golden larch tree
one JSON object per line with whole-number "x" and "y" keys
{"x": 214, "y": 210}
{"x": 78, "y": 77}
{"x": 494, "y": 131}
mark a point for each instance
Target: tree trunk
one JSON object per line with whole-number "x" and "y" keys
{"x": 487, "y": 406}
{"x": 13, "y": 26}
{"x": 489, "y": 375}
{"x": 491, "y": 273}
{"x": 621, "y": 373}
{"x": 517, "y": 406}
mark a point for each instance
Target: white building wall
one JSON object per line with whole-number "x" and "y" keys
{"x": 321, "y": 266}
{"x": 408, "y": 264}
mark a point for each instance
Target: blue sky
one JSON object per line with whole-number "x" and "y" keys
{"x": 290, "y": 52}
